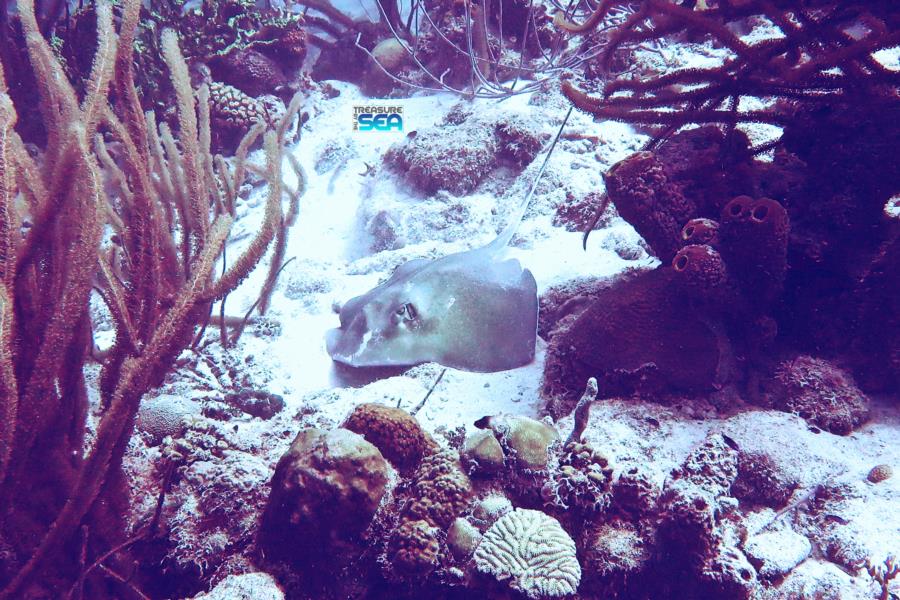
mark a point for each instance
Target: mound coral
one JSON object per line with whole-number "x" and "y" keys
{"x": 821, "y": 393}
{"x": 394, "y": 432}
{"x": 324, "y": 473}
{"x": 440, "y": 490}
{"x": 414, "y": 547}
{"x": 525, "y": 440}
{"x": 632, "y": 337}
{"x": 533, "y": 552}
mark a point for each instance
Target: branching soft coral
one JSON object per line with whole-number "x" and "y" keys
{"x": 825, "y": 54}
{"x": 170, "y": 206}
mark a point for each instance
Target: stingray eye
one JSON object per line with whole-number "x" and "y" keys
{"x": 407, "y": 311}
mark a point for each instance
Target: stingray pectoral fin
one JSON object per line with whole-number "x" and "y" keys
{"x": 494, "y": 324}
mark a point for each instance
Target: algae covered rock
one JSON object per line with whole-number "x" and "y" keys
{"x": 248, "y": 586}
{"x": 533, "y": 552}
{"x": 325, "y": 490}
{"x": 483, "y": 452}
{"x": 526, "y": 440}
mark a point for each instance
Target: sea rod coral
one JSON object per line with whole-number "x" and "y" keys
{"x": 155, "y": 275}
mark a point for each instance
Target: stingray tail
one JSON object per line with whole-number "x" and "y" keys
{"x": 509, "y": 231}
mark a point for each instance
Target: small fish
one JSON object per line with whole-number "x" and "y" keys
{"x": 472, "y": 310}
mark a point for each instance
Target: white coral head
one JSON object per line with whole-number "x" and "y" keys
{"x": 533, "y": 551}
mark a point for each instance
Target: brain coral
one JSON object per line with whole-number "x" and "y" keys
{"x": 394, "y": 432}
{"x": 533, "y": 551}
{"x": 163, "y": 416}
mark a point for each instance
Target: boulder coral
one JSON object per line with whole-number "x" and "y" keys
{"x": 531, "y": 551}
{"x": 396, "y": 434}
{"x": 525, "y": 440}
{"x": 633, "y": 337}
{"x": 821, "y": 393}
{"x": 323, "y": 474}
{"x": 483, "y": 453}
{"x": 414, "y": 548}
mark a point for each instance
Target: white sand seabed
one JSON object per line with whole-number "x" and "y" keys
{"x": 332, "y": 262}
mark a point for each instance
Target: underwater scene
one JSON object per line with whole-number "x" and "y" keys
{"x": 449, "y": 299}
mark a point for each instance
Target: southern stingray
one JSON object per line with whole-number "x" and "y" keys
{"x": 474, "y": 310}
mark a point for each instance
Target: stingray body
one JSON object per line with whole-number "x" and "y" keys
{"x": 475, "y": 310}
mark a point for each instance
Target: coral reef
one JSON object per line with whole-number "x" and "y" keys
{"x": 166, "y": 213}
{"x": 615, "y": 552}
{"x": 213, "y": 507}
{"x": 247, "y": 586}
{"x": 394, "y": 432}
{"x": 761, "y": 481}
{"x": 821, "y": 393}
{"x": 530, "y": 550}
{"x": 665, "y": 100}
